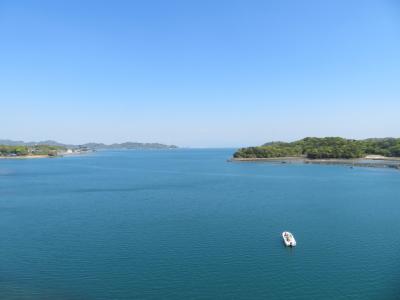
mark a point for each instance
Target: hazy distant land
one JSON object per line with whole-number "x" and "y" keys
{"x": 20, "y": 149}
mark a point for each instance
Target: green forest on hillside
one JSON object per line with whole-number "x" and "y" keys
{"x": 6, "y": 150}
{"x": 321, "y": 148}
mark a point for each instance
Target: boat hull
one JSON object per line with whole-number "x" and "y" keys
{"x": 288, "y": 239}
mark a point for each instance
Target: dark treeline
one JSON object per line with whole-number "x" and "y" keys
{"x": 6, "y": 150}
{"x": 328, "y": 147}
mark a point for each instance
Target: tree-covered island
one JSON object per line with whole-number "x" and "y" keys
{"x": 323, "y": 148}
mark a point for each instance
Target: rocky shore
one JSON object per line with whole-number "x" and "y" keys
{"x": 382, "y": 162}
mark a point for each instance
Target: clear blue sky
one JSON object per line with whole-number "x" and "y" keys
{"x": 199, "y": 73}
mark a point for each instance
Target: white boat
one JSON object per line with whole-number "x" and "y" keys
{"x": 288, "y": 239}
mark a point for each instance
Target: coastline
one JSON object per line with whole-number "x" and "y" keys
{"x": 27, "y": 157}
{"x": 382, "y": 162}
{"x": 58, "y": 155}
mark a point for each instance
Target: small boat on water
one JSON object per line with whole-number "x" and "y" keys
{"x": 288, "y": 239}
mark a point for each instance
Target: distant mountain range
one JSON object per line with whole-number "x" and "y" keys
{"x": 95, "y": 146}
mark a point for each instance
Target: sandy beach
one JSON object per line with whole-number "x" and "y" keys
{"x": 26, "y": 157}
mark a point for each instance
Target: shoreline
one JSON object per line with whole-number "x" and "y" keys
{"x": 27, "y": 157}
{"x": 384, "y": 162}
{"x": 45, "y": 155}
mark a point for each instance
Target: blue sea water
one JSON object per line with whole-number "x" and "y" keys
{"x": 186, "y": 224}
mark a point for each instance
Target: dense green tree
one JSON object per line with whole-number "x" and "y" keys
{"x": 33, "y": 150}
{"x": 324, "y": 148}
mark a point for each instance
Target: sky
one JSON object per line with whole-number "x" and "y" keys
{"x": 199, "y": 73}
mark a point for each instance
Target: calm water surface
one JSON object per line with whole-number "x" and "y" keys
{"x": 185, "y": 224}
